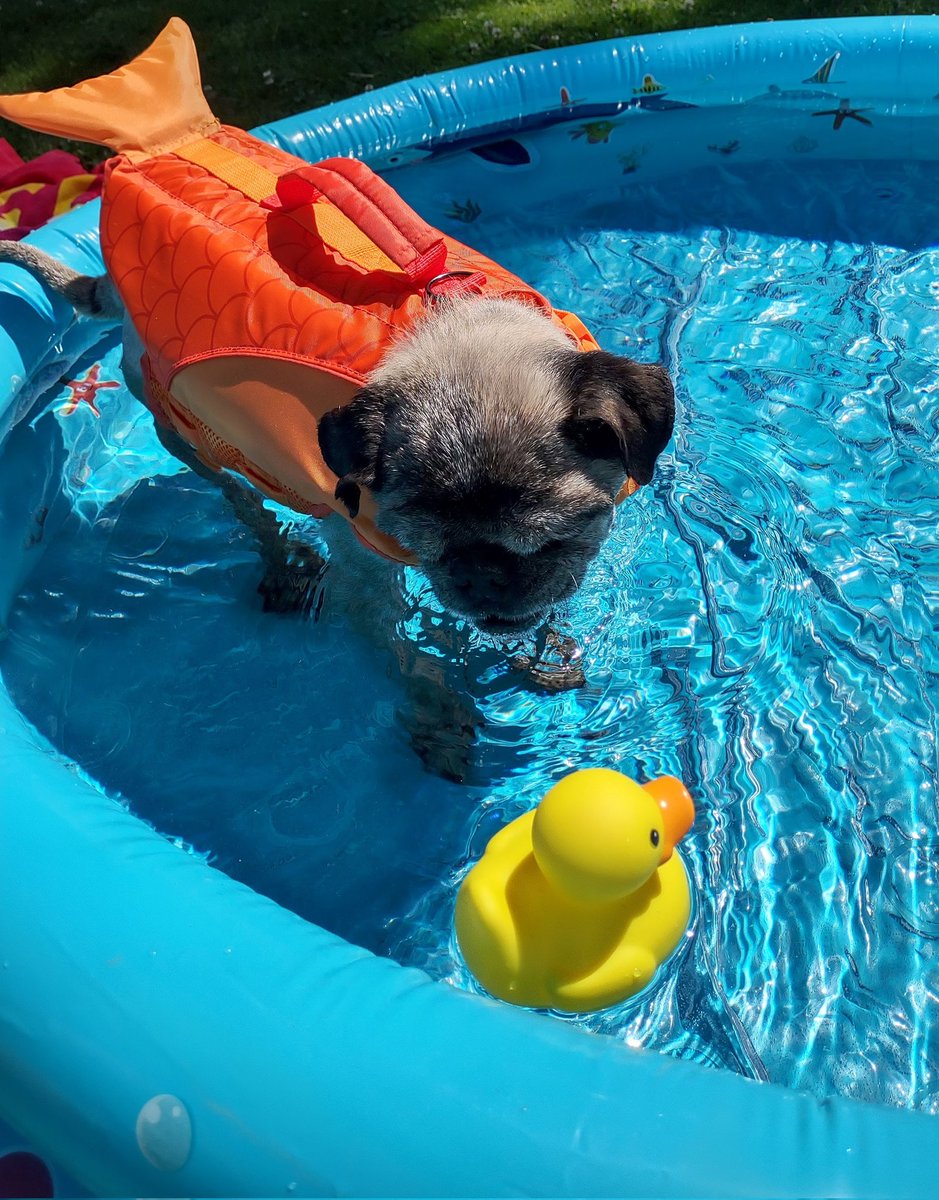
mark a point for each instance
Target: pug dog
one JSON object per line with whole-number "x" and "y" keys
{"x": 495, "y": 449}
{"x": 496, "y": 452}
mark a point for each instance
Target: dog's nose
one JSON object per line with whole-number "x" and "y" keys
{"x": 482, "y": 559}
{"x": 487, "y": 579}
{"x": 463, "y": 568}
{"x": 482, "y": 590}
{"x": 480, "y": 581}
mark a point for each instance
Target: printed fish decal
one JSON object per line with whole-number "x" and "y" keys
{"x": 630, "y": 162}
{"x": 657, "y": 102}
{"x": 568, "y": 111}
{"x": 507, "y": 152}
{"x": 823, "y": 74}
{"x": 650, "y": 86}
{"x": 467, "y": 212}
{"x": 594, "y": 131}
{"x": 780, "y": 97}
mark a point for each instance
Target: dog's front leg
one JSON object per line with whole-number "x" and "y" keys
{"x": 441, "y": 718}
{"x": 292, "y": 570}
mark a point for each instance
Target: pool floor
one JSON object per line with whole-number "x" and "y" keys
{"x": 763, "y": 623}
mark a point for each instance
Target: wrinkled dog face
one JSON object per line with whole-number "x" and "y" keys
{"x": 496, "y": 451}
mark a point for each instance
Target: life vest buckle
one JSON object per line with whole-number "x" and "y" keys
{"x": 450, "y": 284}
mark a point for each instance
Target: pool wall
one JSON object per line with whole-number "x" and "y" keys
{"x": 166, "y": 1031}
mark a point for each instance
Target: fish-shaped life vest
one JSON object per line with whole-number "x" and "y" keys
{"x": 264, "y": 289}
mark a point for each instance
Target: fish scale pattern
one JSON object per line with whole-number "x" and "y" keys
{"x": 206, "y": 271}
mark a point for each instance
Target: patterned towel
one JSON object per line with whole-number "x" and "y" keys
{"x": 31, "y": 193}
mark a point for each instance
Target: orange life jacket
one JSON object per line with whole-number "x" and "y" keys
{"x": 264, "y": 289}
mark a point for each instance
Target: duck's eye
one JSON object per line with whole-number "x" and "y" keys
{"x": 654, "y": 837}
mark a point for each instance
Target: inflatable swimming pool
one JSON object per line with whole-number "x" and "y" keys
{"x": 166, "y": 1030}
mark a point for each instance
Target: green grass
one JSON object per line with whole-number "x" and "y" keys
{"x": 267, "y": 60}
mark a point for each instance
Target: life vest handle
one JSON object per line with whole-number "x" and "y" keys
{"x": 374, "y": 208}
{"x": 343, "y": 204}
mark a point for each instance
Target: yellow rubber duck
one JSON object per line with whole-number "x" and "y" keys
{"x": 573, "y": 906}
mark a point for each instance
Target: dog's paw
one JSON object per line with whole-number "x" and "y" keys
{"x": 537, "y": 676}
{"x": 554, "y": 667}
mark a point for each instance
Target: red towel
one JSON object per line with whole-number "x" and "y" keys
{"x": 31, "y": 193}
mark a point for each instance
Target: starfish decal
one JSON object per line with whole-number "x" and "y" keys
{"x": 84, "y": 391}
{"x": 843, "y": 111}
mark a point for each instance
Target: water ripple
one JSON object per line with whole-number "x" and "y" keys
{"x": 764, "y": 622}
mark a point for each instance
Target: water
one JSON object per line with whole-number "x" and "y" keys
{"x": 763, "y": 622}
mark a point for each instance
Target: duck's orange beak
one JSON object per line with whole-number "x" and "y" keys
{"x": 674, "y": 799}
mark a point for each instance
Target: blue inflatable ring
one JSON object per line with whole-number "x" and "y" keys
{"x": 166, "y": 1031}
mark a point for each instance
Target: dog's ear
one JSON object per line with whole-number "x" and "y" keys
{"x": 622, "y": 412}
{"x": 351, "y": 439}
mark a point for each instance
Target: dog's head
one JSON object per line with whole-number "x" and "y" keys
{"x": 496, "y": 451}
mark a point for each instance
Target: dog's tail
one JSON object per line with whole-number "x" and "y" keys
{"x": 90, "y": 295}
{"x": 151, "y": 106}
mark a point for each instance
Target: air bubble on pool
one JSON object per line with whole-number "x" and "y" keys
{"x": 164, "y": 1132}
{"x": 762, "y": 623}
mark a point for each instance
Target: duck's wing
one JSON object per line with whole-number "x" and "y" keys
{"x": 627, "y": 971}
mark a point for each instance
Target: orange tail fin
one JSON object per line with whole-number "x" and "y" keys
{"x": 152, "y": 105}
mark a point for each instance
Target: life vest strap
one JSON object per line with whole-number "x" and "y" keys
{"x": 237, "y": 170}
{"x": 375, "y": 209}
{"x": 347, "y": 207}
